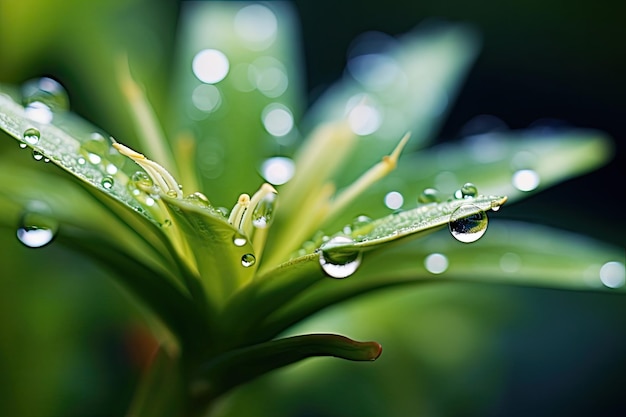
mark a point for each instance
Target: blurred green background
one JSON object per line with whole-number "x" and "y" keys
{"x": 71, "y": 343}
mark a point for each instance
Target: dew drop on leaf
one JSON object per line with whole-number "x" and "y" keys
{"x": 198, "y": 199}
{"x": 248, "y": 260}
{"x": 38, "y": 156}
{"x": 263, "y": 213}
{"x": 468, "y": 223}
{"x": 239, "y": 240}
{"x": 469, "y": 190}
{"x": 429, "y": 195}
{"x": 107, "y": 183}
{"x": 42, "y": 98}
{"x": 31, "y": 136}
{"x": 339, "y": 265}
{"x": 23, "y": 146}
{"x": 36, "y": 227}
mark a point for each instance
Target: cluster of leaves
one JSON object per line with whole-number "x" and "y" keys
{"x": 224, "y": 289}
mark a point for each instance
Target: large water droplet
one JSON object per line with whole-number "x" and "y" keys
{"x": 468, "y": 223}
{"x": 429, "y": 195}
{"x": 36, "y": 228}
{"x": 31, "y": 136}
{"x": 248, "y": 260}
{"x": 263, "y": 213}
{"x": 42, "y": 98}
{"x": 339, "y": 265}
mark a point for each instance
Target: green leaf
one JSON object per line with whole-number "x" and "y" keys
{"x": 73, "y": 144}
{"x": 511, "y": 253}
{"x": 410, "y": 83}
{"x": 220, "y": 251}
{"x": 242, "y": 365}
{"x": 225, "y": 118}
{"x": 489, "y": 161}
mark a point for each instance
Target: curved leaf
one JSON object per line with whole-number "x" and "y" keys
{"x": 242, "y": 365}
{"x": 511, "y": 253}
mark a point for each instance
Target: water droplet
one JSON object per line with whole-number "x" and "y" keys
{"x": 143, "y": 181}
{"x": 360, "y": 221}
{"x": 166, "y": 223}
{"x": 469, "y": 190}
{"x": 198, "y": 199}
{"x": 429, "y": 195}
{"x": 339, "y": 265}
{"x": 23, "y": 145}
{"x": 239, "y": 240}
{"x": 263, "y": 213}
{"x": 107, "y": 183}
{"x": 525, "y": 180}
{"x": 171, "y": 193}
{"x": 81, "y": 160}
{"x": 42, "y": 98}
{"x": 468, "y": 223}
{"x": 37, "y": 155}
{"x": 31, "y": 136}
{"x": 436, "y": 263}
{"x": 36, "y": 228}
{"x": 248, "y": 260}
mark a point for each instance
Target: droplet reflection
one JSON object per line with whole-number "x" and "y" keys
{"x": 339, "y": 266}
{"x": 468, "y": 223}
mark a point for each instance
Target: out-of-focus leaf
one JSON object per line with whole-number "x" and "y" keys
{"x": 403, "y": 85}
{"x": 489, "y": 161}
{"x": 510, "y": 253}
{"x": 247, "y": 87}
{"x": 160, "y": 392}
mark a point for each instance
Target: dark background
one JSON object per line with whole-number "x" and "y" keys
{"x": 564, "y": 61}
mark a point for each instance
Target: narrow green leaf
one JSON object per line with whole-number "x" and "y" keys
{"x": 73, "y": 144}
{"x": 224, "y": 257}
{"x": 489, "y": 161}
{"x": 245, "y": 364}
{"x": 510, "y": 254}
{"x": 249, "y": 68}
